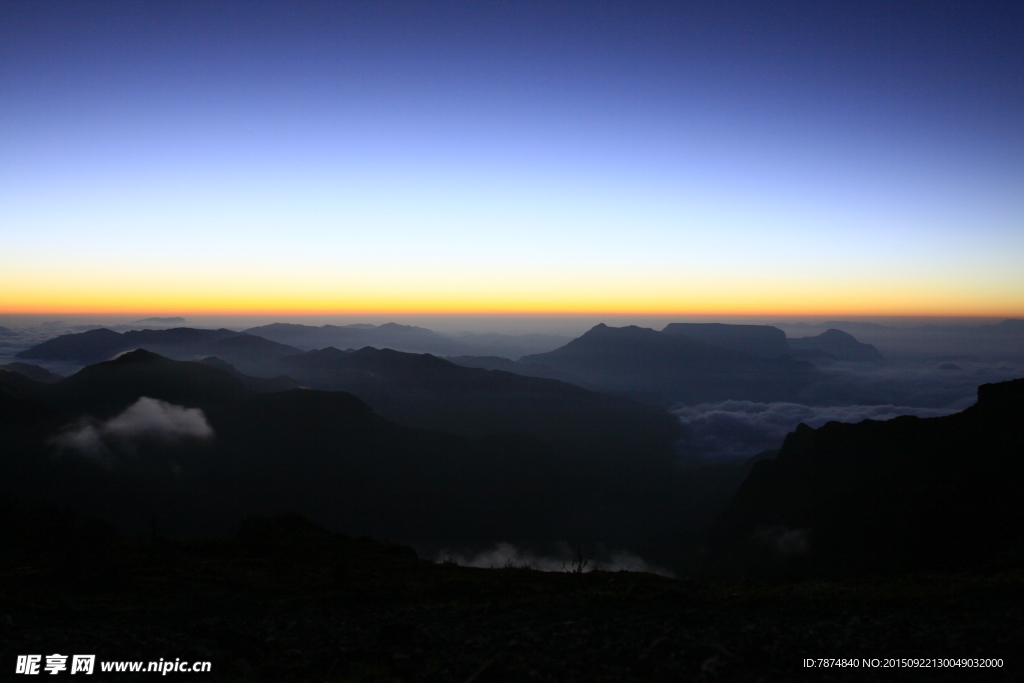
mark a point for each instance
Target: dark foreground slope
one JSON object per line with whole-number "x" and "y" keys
{"x": 283, "y": 601}
{"x": 144, "y": 442}
{"x": 909, "y": 493}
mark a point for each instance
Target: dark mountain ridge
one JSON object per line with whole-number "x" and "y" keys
{"x": 324, "y": 454}
{"x": 32, "y": 372}
{"x": 424, "y": 391}
{"x": 251, "y": 354}
{"x": 905, "y": 493}
{"x": 418, "y": 390}
{"x": 391, "y": 335}
{"x": 110, "y": 386}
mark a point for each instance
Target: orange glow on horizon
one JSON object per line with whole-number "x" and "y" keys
{"x": 299, "y": 310}
{"x": 539, "y": 293}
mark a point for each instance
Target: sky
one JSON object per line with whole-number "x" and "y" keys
{"x": 512, "y": 157}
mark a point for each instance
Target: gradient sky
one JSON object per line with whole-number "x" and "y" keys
{"x": 665, "y": 157}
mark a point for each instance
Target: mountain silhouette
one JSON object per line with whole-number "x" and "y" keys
{"x": 249, "y": 353}
{"x": 757, "y": 340}
{"x": 390, "y": 335}
{"x": 32, "y": 372}
{"x": 422, "y": 390}
{"x": 112, "y": 385}
{"x": 836, "y": 344}
{"x": 260, "y": 384}
{"x": 641, "y": 361}
{"x": 329, "y": 456}
{"x": 901, "y": 494}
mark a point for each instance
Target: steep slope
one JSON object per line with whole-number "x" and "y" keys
{"x": 909, "y": 492}
{"x": 644, "y": 362}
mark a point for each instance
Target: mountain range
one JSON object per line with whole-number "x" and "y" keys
{"x": 416, "y": 448}
{"x": 247, "y": 352}
{"x": 144, "y": 440}
{"x": 686, "y": 362}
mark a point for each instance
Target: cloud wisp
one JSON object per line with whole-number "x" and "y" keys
{"x": 146, "y": 419}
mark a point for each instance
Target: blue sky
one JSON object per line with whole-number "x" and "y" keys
{"x": 473, "y": 156}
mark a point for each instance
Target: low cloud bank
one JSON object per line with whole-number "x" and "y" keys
{"x": 146, "y": 419}
{"x": 741, "y": 429}
{"x": 950, "y": 382}
{"x": 566, "y": 560}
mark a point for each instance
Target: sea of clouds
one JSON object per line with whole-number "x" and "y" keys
{"x": 741, "y": 429}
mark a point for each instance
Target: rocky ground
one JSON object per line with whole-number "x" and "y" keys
{"x": 287, "y": 602}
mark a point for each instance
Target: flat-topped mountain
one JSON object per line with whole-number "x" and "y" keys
{"x": 836, "y": 344}
{"x": 642, "y": 361}
{"x": 757, "y": 340}
{"x": 905, "y": 493}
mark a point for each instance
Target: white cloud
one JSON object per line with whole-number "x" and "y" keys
{"x": 147, "y": 418}
{"x": 155, "y": 418}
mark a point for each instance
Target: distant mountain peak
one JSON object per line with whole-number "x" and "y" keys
{"x": 833, "y": 333}
{"x": 836, "y": 343}
{"x": 98, "y": 332}
{"x": 138, "y": 356}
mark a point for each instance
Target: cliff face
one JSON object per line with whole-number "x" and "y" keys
{"x": 908, "y": 492}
